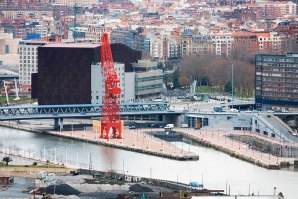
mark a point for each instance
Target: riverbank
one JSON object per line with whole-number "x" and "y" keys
{"x": 220, "y": 141}
{"x": 133, "y": 140}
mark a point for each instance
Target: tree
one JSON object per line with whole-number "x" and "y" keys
{"x": 182, "y": 81}
{"x": 228, "y": 87}
{"x": 176, "y": 76}
{"x": 205, "y": 81}
{"x": 6, "y": 159}
{"x": 217, "y": 71}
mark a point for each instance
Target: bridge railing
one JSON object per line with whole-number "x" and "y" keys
{"x": 80, "y": 108}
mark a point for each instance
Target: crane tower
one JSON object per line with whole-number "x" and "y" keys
{"x": 110, "y": 118}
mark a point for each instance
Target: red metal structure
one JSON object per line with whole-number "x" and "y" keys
{"x": 110, "y": 118}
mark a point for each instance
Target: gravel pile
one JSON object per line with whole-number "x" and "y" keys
{"x": 62, "y": 189}
{"x": 139, "y": 188}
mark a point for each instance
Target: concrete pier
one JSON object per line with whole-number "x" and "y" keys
{"x": 133, "y": 140}
{"x": 219, "y": 140}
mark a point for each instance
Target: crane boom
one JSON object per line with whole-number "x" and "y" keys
{"x": 110, "y": 119}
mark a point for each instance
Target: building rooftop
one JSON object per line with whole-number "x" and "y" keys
{"x": 71, "y": 45}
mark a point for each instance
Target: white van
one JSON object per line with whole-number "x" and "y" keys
{"x": 184, "y": 126}
{"x": 169, "y": 126}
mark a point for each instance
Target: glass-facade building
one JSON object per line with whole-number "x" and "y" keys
{"x": 276, "y": 81}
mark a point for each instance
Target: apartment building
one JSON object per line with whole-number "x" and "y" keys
{"x": 28, "y": 51}
{"x": 272, "y": 10}
{"x": 245, "y": 43}
{"x": 157, "y": 47}
{"x": 186, "y": 43}
{"x": 223, "y": 44}
{"x": 78, "y": 2}
{"x": 202, "y": 44}
{"x": 124, "y": 36}
{"x": 18, "y": 13}
{"x": 276, "y": 83}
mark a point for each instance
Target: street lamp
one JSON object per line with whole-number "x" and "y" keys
{"x": 232, "y": 84}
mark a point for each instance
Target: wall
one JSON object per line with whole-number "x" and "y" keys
{"x": 64, "y": 73}
{"x": 129, "y": 91}
{"x": 97, "y": 83}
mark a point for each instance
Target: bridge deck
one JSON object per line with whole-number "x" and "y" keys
{"x": 79, "y": 111}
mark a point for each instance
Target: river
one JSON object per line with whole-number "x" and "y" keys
{"x": 215, "y": 169}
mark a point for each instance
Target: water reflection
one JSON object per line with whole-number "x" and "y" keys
{"x": 215, "y": 169}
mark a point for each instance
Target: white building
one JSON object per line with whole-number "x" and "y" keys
{"x": 156, "y": 47}
{"x": 28, "y": 60}
{"x": 223, "y": 44}
{"x": 127, "y": 84}
{"x": 164, "y": 47}
{"x": 42, "y": 30}
{"x": 78, "y": 2}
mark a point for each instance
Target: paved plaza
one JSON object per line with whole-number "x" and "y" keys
{"x": 135, "y": 140}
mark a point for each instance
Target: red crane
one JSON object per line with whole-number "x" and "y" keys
{"x": 110, "y": 117}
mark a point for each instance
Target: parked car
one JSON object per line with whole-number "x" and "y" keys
{"x": 234, "y": 110}
{"x": 169, "y": 126}
{"x": 184, "y": 126}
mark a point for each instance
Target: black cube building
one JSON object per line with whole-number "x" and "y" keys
{"x": 64, "y": 71}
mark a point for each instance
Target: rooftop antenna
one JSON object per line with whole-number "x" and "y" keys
{"x": 16, "y": 90}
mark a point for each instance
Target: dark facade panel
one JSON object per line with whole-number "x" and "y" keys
{"x": 64, "y": 73}
{"x": 34, "y": 85}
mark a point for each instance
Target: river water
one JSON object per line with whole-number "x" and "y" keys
{"x": 215, "y": 169}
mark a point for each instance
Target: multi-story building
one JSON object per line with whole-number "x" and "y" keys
{"x": 127, "y": 83}
{"x": 124, "y": 36}
{"x": 157, "y": 47}
{"x": 148, "y": 79}
{"x": 245, "y": 44}
{"x": 201, "y": 44}
{"x": 265, "y": 45}
{"x": 28, "y": 51}
{"x": 64, "y": 71}
{"x": 21, "y": 31}
{"x": 172, "y": 48}
{"x": 9, "y": 3}
{"x": 186, "y": 43}
{"x": 8, "y": 45}
{"x": 78, "y": 2}
{"x": 276, "y": 79}
{"x": 272, "y": 10}
{"x": 42, "y": 30}
{"x": 19, "y": 13}
{"x": 223, "y": 44}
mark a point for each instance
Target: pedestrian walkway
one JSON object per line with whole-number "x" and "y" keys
{"x": 219, "y": 139}
{"x": 134, "y": 140}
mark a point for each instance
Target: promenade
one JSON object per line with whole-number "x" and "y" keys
{"x": 133, "y": 140}
{"x": 219, "y": 140}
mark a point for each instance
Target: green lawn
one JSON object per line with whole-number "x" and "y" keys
{"x": 23, "y": 99}
{"x": 208, "y": 89}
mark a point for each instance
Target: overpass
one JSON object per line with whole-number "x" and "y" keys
{"x": 58, "y": 112}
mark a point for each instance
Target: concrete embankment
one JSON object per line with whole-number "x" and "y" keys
{"x": 133, "y": 141}
{"x": 137, "y": 143}
{"x": 221, "y": 142}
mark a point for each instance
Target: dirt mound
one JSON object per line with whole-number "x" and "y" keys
{"x": 62, "y": 189}
{"x": 139, "y": 188}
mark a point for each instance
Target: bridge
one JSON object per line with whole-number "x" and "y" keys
{"x": 79, "y": 111}
{"x": 154, "y": 111}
